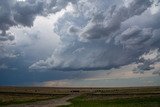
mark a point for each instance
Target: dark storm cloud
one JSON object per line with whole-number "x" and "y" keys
{"x": 25, "y": 12}
{"x": 97, "y": 35}
{"x": 106, "y": 25}
{"x": 94, "y": 39}
{"x": 73, "y": 30}
{"x": 21, "y": 13}
{"x": 14, "y": 13}
{"x": 141, "y": 40}
{"x": 6, "y": 18}
{"x": 134, "y": 36}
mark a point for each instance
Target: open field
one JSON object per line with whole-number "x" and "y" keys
{"x": 99, "y": 101}
{"x": 16, "y": 98}
{"x": 80, "y": 97}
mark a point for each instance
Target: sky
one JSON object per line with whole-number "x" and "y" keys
{"x": 80, "y": 43}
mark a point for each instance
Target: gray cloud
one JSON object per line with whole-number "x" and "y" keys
{"x": 104, "y": 26}
{"x": 73, "y": 30}
{"x": 22, "y": 13}
{"x": 134, "y": 36}
{"x": 6, "y": 18}
{"x": 112, "y": 41}
{"x": 25, "y": 12}
{"x": 145, "y": 66}
{"x": 148, "y": 61}
{"x": 6, "y": 36}
{"x": 14, "y": 13}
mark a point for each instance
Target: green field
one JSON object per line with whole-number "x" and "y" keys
{"x": 85, "y": 101}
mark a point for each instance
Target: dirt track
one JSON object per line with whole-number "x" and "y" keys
{"x": 48, "y": 103}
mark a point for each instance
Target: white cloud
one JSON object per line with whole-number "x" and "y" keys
{"x": 152, "y": 54}
{"x": 155, "y": 7}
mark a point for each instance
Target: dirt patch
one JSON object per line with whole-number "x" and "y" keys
{"x": 48, "y": 103}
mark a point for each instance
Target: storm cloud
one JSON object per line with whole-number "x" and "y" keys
{"x": 104, "y": 36}
{"x": 89, "y": 42}
{"x": 23, "y": 13}
{"x": 107, "y": 24}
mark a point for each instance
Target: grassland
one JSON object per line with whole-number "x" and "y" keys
{"x": 20, "y": 98}
{"x": 119, "y": 97}
{"x": 83, "y": 101}
{"x": 88, "y": 97}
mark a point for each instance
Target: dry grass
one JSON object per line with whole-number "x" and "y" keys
{"x": 15, "y": 98}
{"x": 17, "y": 95}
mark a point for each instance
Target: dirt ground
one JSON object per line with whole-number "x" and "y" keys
{"x": 48, "y": 103}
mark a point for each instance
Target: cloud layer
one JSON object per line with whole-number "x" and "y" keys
{"x": 23, "y": 13}
{"x": 103, "y": 34}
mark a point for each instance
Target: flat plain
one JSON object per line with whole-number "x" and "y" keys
{"x": 79, "y": 97}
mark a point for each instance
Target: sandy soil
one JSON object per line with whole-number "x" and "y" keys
{"x": 48, "y": 103}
